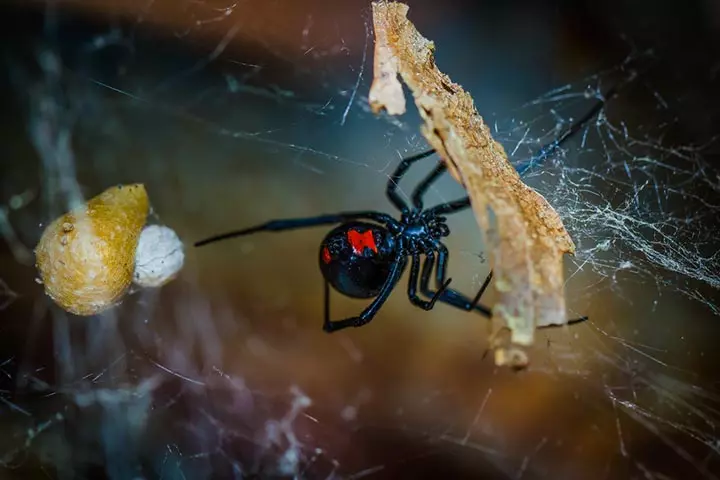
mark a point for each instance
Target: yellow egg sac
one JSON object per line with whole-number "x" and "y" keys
{"x": 86, "y": 257}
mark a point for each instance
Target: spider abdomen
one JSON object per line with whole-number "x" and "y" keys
{"x": 356, "y": 257}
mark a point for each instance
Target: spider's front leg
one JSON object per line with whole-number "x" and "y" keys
{"x": 371, "y": 310}
{"x": 413, "y": 282}
{"x": 457, "y": 299}
{"x": 448, "y": 295}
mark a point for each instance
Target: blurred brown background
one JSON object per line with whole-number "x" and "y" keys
{"x": 233, "y": 113}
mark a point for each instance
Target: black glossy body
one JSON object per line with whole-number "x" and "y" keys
{"x": 358, "y": 271}
{"x": 365, "y": 256}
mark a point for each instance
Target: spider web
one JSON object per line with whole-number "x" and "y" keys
{"x": 235, "y": 113}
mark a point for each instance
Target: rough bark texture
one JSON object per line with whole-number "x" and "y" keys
{"x": 525, "y": 236}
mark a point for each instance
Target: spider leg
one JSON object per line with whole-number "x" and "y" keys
{"x": 296, "y": 223}
{"x": 458, "y": 300}
{"x": 448, "y": 295}
{"x": 412, "y": 286}
{"x": 371, "y": 310}
{"x": 424, "y": 185}
{"x": 449, "y": 207}
{"x": 421, "y": 189}
{"x": 395, "y": 178}
{"x": 326, "y": 307}
{"x": 485, "y": 284}
{"x": 547, "y": 150}
{"x": 542, "y": 155}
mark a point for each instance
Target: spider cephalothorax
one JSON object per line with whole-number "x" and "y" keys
{"x": 421, "y": 231}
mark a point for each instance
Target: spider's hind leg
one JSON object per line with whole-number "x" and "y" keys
{"x": 426, "y": 183}
{"x": 398, "y": 174}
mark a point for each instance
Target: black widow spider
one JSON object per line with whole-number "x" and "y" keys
{"x": 365, "y": 260}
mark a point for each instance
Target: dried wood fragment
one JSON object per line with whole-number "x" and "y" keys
{"x": 525, "y": 236}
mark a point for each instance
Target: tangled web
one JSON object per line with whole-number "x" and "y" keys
{"x": 225, "y": 373}
{"x": 645, "y": 203}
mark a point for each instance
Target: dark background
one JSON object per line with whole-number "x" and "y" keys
{"x": 410, "y": 396}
